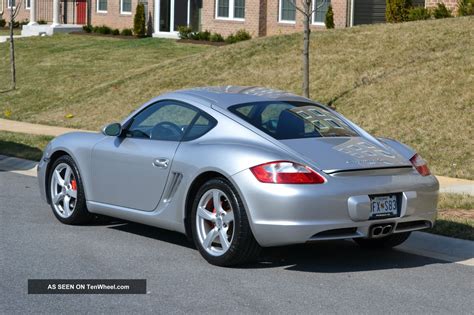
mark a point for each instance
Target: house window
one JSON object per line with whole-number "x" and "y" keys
{"x": 102, "y": 6}
{"x": 27, "y": 4}
{"x": 230, "y": 9}
{"x": 320, "y": 9}
{"x": 125, "y": 6}
{"x": 239, "y": 9}
{"x": 11, "y": 4}
{"x": 287, "y": 11}
{"x": 223, "y": 8}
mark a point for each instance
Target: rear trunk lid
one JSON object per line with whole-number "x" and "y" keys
{"x": 335, "y": 154}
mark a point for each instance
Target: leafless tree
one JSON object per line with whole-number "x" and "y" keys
{"x": 14, "y": 9}
{"x": 307, "y": 9}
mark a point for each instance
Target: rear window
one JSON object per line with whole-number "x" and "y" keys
{"x": 293, "y": 120}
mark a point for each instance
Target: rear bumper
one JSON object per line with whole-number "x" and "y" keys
{"x": 274, "y": 234}
{"x": 293, "y": 214}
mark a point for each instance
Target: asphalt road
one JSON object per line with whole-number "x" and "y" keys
{"x": 329, "y": 277}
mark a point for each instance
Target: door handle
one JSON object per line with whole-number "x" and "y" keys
{"x": 161, "y": 163}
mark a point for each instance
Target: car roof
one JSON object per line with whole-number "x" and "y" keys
{"x": 225, "y": 96}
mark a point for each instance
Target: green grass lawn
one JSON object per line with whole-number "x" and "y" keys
{"x": 410, "y": 81}
{"x": 21, "y": 145}
{"x": 455, "y": 216}
{"x": 6, "y": 31}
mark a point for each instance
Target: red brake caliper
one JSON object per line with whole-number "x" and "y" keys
{"x": 73, "y": 184}
{"x": 211, "y": 224}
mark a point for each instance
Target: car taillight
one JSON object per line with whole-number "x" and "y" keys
{"x": 420, "y": 165}
{"x": 285, "y": 172}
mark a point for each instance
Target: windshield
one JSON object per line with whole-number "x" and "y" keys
{"x": 293, "y": 120}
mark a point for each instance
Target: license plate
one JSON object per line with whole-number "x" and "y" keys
{"x": 383, "y": 207}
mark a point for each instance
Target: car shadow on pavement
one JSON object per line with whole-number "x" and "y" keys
{"x": 324, "y": 256}
{"x": 338, "y": 256}
{"x": 154, "y": 233}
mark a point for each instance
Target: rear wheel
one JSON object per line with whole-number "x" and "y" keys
{"x": 388, "y": 241}
{"x": 66, "y": 192}
{"x": 220, "y": 226}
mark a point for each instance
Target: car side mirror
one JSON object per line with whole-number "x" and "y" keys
{"x": 112, "y": 130}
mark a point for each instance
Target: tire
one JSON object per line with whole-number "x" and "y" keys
{"x": 77, "y": 213}
{"x": 383, "y": 242}
{"x": 242, "y": 246}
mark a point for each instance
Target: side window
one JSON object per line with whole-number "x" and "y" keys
{"x": 202, "y": 125}
{"x": 167, "y": 120}
{"x": 245, "y": 110}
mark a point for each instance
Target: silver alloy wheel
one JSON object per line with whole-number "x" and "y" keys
{"x": 63, "y": 190}
{"x": 215, "y": 222}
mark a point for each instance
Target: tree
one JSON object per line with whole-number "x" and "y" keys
{"x": 149, "y": 26}
{"x": 396, "y": 11}
{"x": 14, "y": 9}
{"x": 139, "y": 21}
{"x": 329, "y": 20}
{"x": 306, "y": 8}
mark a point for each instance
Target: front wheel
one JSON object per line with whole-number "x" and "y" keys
{"x": 67, "y": 193}
{"x": 220, "y": 226}
{"x": 388, "y": 241}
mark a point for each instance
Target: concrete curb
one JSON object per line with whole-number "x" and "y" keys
{"x": 440, "y": 247}
{"x": 17, "y": 165}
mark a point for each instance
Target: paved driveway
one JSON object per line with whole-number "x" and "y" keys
{"x": 329, "y": 277}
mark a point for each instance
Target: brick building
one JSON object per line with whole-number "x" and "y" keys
{"x": 259, "y": 17}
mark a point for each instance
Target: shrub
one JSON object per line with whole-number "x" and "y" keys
{"x": 126, "y": 32}
{"x": 149, "y": 26}
{"x": 242, "y": 35}
{"x": 465, "y": 7}
{"x": 441, "y": 12}
{"x": 139, "y": 21}
{"x": 204, "y": 35}
{"x": 95, "y": 29}
{"x": 216, "y": 37}
{"x": 24, "y": 22}
{"x": 104, "y": 30}
{"x": 16, "y": 24}
{"x": 184, "y": 32}
{"x": 3, "y": 23}
{"x": 418, "y": 13}
{"x": 397, "y": 10}
{"x": 116, "y": 32}
{"x": 231, "y": 39}
{"x": 42, "y": 22}
{"x": 87, "y": 28}
{"x": 329, "y": 19}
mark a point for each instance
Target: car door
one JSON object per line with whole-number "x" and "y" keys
{"x": 132, "y": 170}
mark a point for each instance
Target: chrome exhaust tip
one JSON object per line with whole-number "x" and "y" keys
{"x": 381, "y": 230}
{"x": 377, "y": 230}
{"x": 387, "y": 229}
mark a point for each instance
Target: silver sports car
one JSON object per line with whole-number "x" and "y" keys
{"x": 241, "y": 168}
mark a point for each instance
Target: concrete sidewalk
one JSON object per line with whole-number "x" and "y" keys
{"x": 447, "y": 184}
{"x": 455, "y": 185}
{"x": 5, "y": 38}
{"x": 35, "y": 129}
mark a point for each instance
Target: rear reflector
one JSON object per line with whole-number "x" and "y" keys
{"x": 285, "y": 172}
{"x": 420, "y": 165}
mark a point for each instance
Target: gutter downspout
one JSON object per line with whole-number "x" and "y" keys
{"x": 352, "y": 14}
